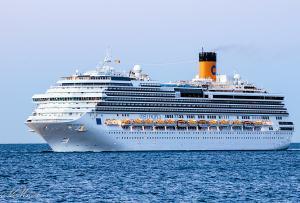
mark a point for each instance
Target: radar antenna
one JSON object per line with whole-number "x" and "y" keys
{"x": 107, "y": 58}
{"x": 106, "y": 61}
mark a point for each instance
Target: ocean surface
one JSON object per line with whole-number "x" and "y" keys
{"x": 32, "y": 173}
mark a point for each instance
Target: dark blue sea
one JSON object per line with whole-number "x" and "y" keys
{"x": 32, "y": 173}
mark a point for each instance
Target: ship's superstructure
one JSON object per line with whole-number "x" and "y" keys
{"x": 106, "y": 110}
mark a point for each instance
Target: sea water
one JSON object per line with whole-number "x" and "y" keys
{"x": 32, "y": 173}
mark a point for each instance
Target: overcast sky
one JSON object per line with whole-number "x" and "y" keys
{"x": 43, "y": 40}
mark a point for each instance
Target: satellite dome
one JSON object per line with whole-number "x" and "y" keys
{"x": 237, "y": 76}
{"x": 137, "y": 69}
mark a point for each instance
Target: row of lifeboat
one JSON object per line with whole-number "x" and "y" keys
{"x": 184, "y": 123}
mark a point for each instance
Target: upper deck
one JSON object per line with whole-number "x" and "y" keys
{"x": 107, "y": 90}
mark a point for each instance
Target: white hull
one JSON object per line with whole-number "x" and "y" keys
{"x": 65, "y": 137}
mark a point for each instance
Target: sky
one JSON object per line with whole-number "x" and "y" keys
{"x": 41, "y": 41}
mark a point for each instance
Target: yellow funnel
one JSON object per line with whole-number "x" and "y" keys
{"x": 207, "y": 65}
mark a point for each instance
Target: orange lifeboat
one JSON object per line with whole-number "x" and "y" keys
{"x": 126, "y": 122}
{"x": 138, "y": 121}
{"x": 192, "y": 122}
{"x": 107, "y": 122}
{"x": 237, "y": 122}
{"x": 116, "y": 122}
{"x": 160, "y": 122}
{"x": 267, "y": 123}
{"x": 213, "y": 122}
{"x": 111, "y": 122}
{"x": 258, "y": 123}
{"x": 170, "y": 122}
{"x": 248, "y": 123}
{"x": 181, "y": 123}
{"x": 203, "y": 122}
{"x": 224, "y": 122}
{"x": 149, "y": 121}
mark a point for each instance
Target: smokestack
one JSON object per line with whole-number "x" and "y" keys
{"x": 207, "y": 65}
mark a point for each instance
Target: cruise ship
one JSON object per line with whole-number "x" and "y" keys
{"x": 108, "y": 110}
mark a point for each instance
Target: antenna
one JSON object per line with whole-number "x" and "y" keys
{"x": 107, "y": 58}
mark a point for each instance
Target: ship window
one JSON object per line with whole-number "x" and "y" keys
{"x": 286, "y": 128}
{"x": 286, "y": 123}
{"x": 223, "y": 96}
{"x": 274, "y": 98}
{"x": 248, "y": 97}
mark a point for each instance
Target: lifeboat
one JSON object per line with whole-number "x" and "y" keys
{"x": 126, "y": 122}
{"x": 159, "y": 122}
{"x": 248, "y": 123}
{"x": 181, "y": 123}
{"x": 107, "y": 122}
{"x": 192, "y": 122}
{"x": 115, "y": 122}
{"x": 224, "y": 122}
{"x": 213, "y": 122}
{"x": 137, "y": 121}
{"x": 258, "y": 123}
{"x": 237, "y": 122}
{"x": 203, "y": 123}
{"x": 170, "y": 122}
{"x": 111, "y": 122}
{"x": 148, "y": 121}
{"x": 267, "y": 123}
